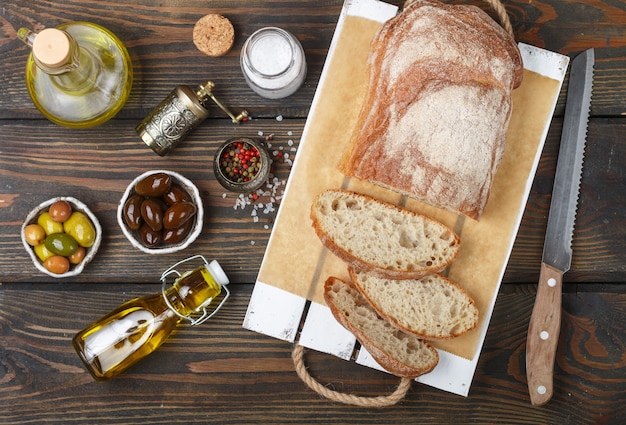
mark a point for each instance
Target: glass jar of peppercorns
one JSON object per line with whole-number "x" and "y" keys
{"x": 242, "y": 164}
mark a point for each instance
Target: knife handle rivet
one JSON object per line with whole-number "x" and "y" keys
{"x": 544, "y": 335}
{"x": 552, "y": 282}
{"x": 541, "y": 389}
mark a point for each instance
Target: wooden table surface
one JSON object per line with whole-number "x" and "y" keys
{"x": 219, "y": 372}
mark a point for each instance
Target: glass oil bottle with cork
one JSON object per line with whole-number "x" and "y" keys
{"x": 139, "y": 326}
{"x": 78, "y": 74}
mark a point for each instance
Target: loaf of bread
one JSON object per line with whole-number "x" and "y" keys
{"x": 433, "y": 307}
{"x": 399, "y": 353}
{"x": 386, "y": 240}
{"x": 434, "y": 119}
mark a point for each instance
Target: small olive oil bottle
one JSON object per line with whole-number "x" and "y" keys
{"x": 139, "y": 326}
{"x": 78, "y": 74}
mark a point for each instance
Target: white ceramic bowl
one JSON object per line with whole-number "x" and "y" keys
{"x": 90, "y": 252}
{"x": 133, "y": 236}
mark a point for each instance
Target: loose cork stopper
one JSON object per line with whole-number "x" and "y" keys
{"x": 52, "y": 47}
{"x": 213, "y": 35}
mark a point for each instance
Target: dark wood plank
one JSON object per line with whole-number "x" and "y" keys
{"x": 40, "y": 164}
{"x": 96, "y": 168}
{"x": 159, "y": 39}
{"x": 599, "y": 238}
{"x": 221, "y": 373}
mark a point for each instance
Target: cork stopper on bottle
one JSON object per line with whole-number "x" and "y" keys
{"x": 52, "y": 47}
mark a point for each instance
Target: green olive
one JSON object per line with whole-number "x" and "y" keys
{"x": 81, "y": 229}
{"x": 49, "y": 225}
{"x": 61, "y": 244}
{"x": 42, "y": 252}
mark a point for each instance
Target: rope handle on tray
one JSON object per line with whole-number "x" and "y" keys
{"x": 500, "y": 10}
{"x": 403, "y": 387}
{"x": 381, "y": 401}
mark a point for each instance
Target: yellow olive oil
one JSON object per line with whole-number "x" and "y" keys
{"x": 139, "y": 326}
{"x": 95, "y": 90}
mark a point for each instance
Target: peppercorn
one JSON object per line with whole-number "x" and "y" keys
{"x": 240, "y": 163}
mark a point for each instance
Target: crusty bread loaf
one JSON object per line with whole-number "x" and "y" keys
{"x": 399, "y": 353}
{"x": 433, "y": 122}
{"x": 386, "y": 240}
{"x": 433, "y": 307}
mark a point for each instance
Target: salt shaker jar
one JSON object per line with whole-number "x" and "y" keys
{"x": 273, "y": 63}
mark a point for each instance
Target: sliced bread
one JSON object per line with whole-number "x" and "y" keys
{"x": 399, "y": 353}
{"x": 432, "y": 307}
{"x": 382, "y": 238}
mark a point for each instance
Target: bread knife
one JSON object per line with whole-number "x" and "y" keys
{"x": 545, "y": 321}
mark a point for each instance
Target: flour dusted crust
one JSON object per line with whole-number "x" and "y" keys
{"x": 434, "y": 119}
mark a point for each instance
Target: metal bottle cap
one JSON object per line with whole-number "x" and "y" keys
{"x": 177, "y": 115}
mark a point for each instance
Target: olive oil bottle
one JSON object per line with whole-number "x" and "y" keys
{"x": 139, "y": 326}
{"x": 78, "y": 74}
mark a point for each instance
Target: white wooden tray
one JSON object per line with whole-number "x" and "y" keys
{"x": 295, "y": 265}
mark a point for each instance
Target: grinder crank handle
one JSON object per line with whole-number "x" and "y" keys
{"x": 543, "y": 335}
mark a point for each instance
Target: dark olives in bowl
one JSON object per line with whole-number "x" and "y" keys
{"x": 161, "y": 212}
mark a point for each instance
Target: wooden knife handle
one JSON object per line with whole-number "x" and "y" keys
{"x": 543, "y": 335}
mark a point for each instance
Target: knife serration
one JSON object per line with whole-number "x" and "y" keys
{"x": 545, "y": 320}
{"x": 557, "y": 248}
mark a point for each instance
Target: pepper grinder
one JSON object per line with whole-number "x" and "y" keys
{"x": 178, "y": 114}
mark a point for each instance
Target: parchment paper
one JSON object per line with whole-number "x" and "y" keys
{"x": 296, "y": 261}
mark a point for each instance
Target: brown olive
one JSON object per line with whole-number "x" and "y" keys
{"x": 178, "y": 214}
{"x": 175, "y": 195}
{"x": 60, "y": 211}
{"x": 57, "y": 264}
{"x": 148, "y": 236}
{"x": 34, "y": 234}
{"x": 78, "y": 255}
{"x": 155, "y": 184}
{"x": 172, "y": 236}
{"x": 152, "y": 214}
{"x": 132, "y": 211}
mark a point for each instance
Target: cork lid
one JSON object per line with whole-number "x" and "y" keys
{"x": 52, "y": 47}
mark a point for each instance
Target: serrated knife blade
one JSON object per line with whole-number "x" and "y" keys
{"x": 545, "y": 321}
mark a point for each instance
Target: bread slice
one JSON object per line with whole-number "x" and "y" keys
{"x": 386, "y": 240}
{"x": 433, "y": 307}
{"x": 399, "y": 353}
{"x": 433, "y": 123}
